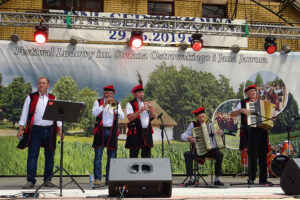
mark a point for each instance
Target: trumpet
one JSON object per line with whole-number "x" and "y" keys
{"x": 113, "y": 104}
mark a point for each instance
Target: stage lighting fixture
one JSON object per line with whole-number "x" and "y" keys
{"x": 14, "y": 37}
{"x": 184, "y": 45}
{"x": 73, "y": 41}
{"x": 235, "y": 48}
{"x": 41, "y": 34}
{"x": 136, "y": 39}
{"x": 270, "y": 45}
{"x": 286, "y": 48}
{"x": 196, "y": 42}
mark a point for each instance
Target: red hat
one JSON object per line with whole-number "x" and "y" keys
{"x": 250, "y": 87}
{"x": 109, "y": 88}
{"x": 137, "y": 88}
{"x": 198, "y": 111}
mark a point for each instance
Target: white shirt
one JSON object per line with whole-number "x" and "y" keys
{"x": 238, "y": 107}
{"x": 39, "y": 112}
{"x": 188, "y": 132}
{"x": 144, "y": 116}
{"x": 108, "y": 113}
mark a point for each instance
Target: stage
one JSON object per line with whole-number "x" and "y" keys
{"x": 13, "y": 186}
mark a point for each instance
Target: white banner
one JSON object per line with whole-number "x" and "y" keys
{"x": 152, "y": 37}
{"x": 95, "y": 66}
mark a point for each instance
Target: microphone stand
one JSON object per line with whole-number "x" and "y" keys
{"x": 163, "y": 131}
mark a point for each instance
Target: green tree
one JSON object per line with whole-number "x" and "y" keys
{"x": 284, "y": 119}
{"x": 12, "y": 99}
{"x": 240, "y": 93}
{"x": 248, "y": 83}
{"x": 181, "y": 90}
{"x": 66, "y": 89}
{"x": 258, "y": 80}
{"x": 128, "y": 98}
{"x": 87, "y": 121}
{"x": 1, "y": 88}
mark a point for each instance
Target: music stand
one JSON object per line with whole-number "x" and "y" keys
{"x": 62, "y": 111}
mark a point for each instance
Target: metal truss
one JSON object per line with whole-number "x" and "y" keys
{"x": 170, "y": 25}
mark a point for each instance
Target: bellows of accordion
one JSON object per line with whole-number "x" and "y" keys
{"x": 207, "y": 139}
{"x": 264, "y": 110}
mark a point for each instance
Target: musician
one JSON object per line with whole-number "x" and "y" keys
{"x": 139, "y": 114}
{"x": 107, "y": 112}
{"x": 189, "y": 156}
{"x": 258, "y": 144}
{"x": 38, "y": 132}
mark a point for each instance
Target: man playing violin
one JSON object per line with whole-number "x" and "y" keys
{"x": 189, "y": 156}
{"x": 139, "y": 114}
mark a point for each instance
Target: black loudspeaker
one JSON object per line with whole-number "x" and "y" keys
{"x": 140, "y": 177}
{"x": 290, "y": 178}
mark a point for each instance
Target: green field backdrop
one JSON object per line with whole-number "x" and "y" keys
{"x": 79, "y": 155}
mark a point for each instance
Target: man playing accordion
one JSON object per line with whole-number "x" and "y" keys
{"x": 189, "y": 156}
{"x": 254, "y": 139}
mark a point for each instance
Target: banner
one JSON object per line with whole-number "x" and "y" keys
{"x": 95, "y": 66}
{"x": 152, "y": 36}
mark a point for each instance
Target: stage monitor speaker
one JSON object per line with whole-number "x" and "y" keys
{"x": 290, "y": 178}
{"x": 140, "y": 177}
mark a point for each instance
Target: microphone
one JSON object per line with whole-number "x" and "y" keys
{"x": 255, "y": 113}
{"x": 159, "y": 116}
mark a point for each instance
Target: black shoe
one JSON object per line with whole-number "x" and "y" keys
{"x": 49, "y": 184}
{"x": 250, "y": 182}
{"x": 191, "y": 182}
{"x": 218, "y": 183}
{"x": 266, "y": 183}
{"x": 106, "y": 182}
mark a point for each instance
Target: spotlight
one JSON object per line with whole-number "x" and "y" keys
{"x": 41, "y": 34}
{"x": 235, "y": 48}
{"x": 73, "y": 41}
{"x": 136, "y": 39}
{"x": 196, "y": 42}
{"x": 183, "y": 45}
{"x": 14, "y": 37}
{"x": 270, "y": 45}
{"x": 286, "y": 48}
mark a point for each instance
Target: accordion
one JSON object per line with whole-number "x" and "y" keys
{"x": 207, "y": 140}
{"x": 265, "y": 111}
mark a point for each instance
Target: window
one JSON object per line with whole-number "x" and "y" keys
{"x": 163, "y": 8}
{"x": 122, "y": 130}
{"x": 76, "y": 5}
{"x": 213, "y": 11}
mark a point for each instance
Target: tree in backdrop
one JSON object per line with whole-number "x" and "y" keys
{"x": 87, "y": 121}
{"x": 284, "y": 119}
{"x": 128, "y": 98}
{"x": 66, "y": 89}
{"x": 1, "y": 87}
{"x": 181, "y": 90}
{"x": 258, "y": 80}
{"x": 240, "y": 93}
{"x": 12, "y": 99}
{"x": 248, "y": 83}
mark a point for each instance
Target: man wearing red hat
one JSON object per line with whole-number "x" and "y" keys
{"x": 190, "y": 156}
{"x": 139, "y": 114}
{"x": 107, "y": 112}
{"x": 253, "y": 139}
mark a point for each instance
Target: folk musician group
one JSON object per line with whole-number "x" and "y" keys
{"x": 34, "y": 132}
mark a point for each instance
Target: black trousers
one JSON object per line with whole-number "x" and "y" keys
{"x": 146, "y": 152}
{"x": 258, "y": 151}
{"x": 189, "y": 157}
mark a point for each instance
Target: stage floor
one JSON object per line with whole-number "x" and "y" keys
{"x": 13, "y": 186}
